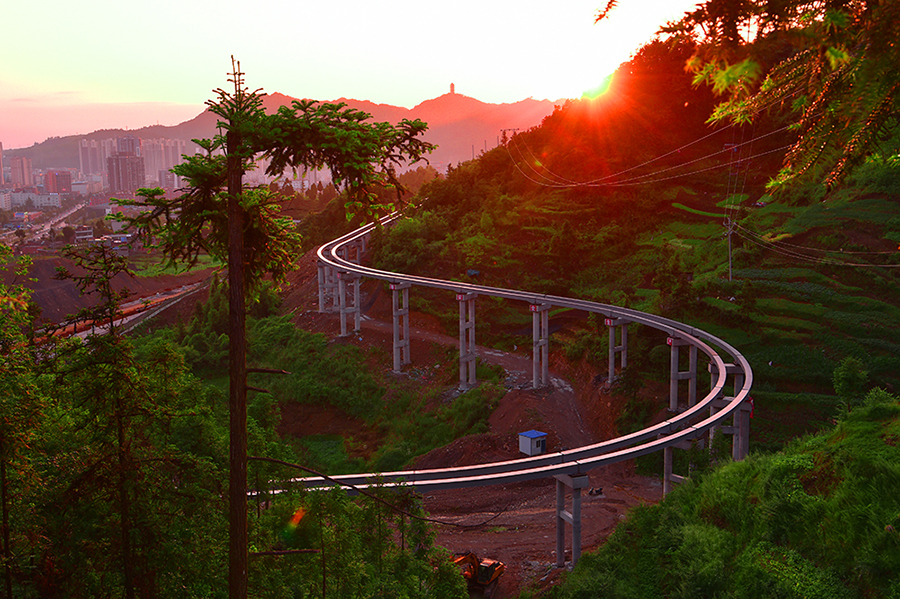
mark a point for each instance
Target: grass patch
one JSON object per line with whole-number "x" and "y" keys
{"x": 695, "y": 211}
{"x": 150, "y": 265}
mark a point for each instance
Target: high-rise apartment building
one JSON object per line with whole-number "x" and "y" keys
{"x": 168, "y": 180}
{"x": 161, "y": 154}
{"x": 58, "y": 182}
{"x": 92, "y": 155}
{"x": 125, "y": 171}
{"x": 22, "y": 175}
{"x": 128, "y": 144}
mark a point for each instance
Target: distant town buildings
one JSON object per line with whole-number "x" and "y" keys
{"x": 21, "y": 174}
{"x": 157, "y": 156}
{"x": 160, "y": 155}
{"x": 92, "y": 155}
{"x": 34, "y": 201}
{"x": 58, "y": 182}
{"x": 125, "y": 172}
{"x": 2, "y": 180}
{"x": 128, "y": 144}
{"x": 168, "y": 180}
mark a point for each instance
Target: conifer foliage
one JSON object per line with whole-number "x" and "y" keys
{"x": 830, "y": 65}
{"x": 218, "y": 215}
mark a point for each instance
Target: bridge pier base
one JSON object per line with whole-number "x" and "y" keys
{"x": 346, "y": 307}
{"x": 328, "y": 288}
{"x": 467, "y": 355}
{"x": 675, "y": 375}
{"x": 620, "y": 349}
{"x": 574, "y": 483}
{"x": 400, "y": 302}
{"x": 540, "y": 371}
{"x": 740, "y": 428}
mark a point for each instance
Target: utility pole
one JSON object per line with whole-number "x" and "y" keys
{"x": 504, "y": 137}
{"x": 730, "y": 226}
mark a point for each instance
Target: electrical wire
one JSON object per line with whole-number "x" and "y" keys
{"x": 563, "y": 182}
{"x": 795, "y": 255}
{"x": 812, "y": 249}
{"x": 362, "y": 491}
{"x": 638, "y": 179}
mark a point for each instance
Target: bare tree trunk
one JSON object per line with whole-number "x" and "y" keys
{"x": 237, "y": 490}
{"x": 7, "y": 554}
{"x": 124, "y": 504}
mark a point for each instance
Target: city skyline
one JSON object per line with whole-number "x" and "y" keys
{"x": 400, "y": 52}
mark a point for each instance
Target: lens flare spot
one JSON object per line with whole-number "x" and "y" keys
{"x": 296, "y": 518}
{"x": 593, "y": 94}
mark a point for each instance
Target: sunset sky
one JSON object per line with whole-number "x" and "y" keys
{"x": 75, "y": 67}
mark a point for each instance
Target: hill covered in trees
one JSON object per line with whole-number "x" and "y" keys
{"x": 629, "y": 198}
{"x": 632, "y": 199}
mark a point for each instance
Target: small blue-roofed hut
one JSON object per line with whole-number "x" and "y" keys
{"x": 532, "y": 442}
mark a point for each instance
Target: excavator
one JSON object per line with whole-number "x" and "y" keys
{"x": 482, "y": 575}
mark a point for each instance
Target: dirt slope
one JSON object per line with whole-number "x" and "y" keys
{"x": 513, "y": 523}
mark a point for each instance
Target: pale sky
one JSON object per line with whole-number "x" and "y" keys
{"x": 72, "y": 67}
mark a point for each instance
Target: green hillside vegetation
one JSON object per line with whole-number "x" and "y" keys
{"x": 114, "y": 451}
{"x": 819, "y": 519}
{"x": 408, "y": 422}
{"x": 813, "y": 280}
{"x": 813, "y": 283}
{"x": 114, "y": 457}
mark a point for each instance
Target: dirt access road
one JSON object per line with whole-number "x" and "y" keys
{"x": 513, "y": 523}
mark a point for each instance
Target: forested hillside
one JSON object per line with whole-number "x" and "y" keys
{"x": 113, "y": 452}
{"x": 611, "y": 200}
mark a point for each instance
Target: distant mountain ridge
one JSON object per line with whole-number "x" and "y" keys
{"x": 461, "y": 126}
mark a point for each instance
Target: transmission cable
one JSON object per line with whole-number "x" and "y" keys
{"x": 814, "y": 259}
{"x": 813, "y": 249}
{"x": 571, "y": 183}
{"x": 362, "y": 491}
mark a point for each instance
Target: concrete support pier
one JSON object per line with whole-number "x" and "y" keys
{"x": 675, "y": 377}
{"x": 328, "y": 288}
{"x": 574, "y": 483}
{"x": 540, "y": 375}
{"x": 675, "y": 345}
{"x": 346, "y": 279}
{"x": 400, "y": 301}
{"x": 620, "y": 348}
{"x": 466, "y": 340}
{"x": 740, "y": 428}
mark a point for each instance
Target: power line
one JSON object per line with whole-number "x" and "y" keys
{"x": 807, "y": 258}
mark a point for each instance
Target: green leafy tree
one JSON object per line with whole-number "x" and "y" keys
{"x": 218, "y": 215}
{"x": 21, "y": 404}
{"x": 832, "y": 65}
{"x": 850, "y": 379}
{"x": 117, "y": 474}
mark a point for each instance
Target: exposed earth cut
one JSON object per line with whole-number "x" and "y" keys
{"x": 512, "y": 523}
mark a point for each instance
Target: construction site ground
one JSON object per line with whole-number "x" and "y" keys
{"x": 512, "y": 523}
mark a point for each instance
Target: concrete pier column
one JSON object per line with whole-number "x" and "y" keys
{"x": 575, "y": 483}
{"x": 328, "y": 288}
{"x": 675, "y": 375}
{"x": 540, "y": 356}
{"x": 320, "y": 268}
{"x": 668, "y": 458}
{"x": 738, "y": 374}
{"x": 467, "y": 355}
{"x": 400, "y": 301}
{"x": 347, "y": 307}
{"x": 621, "y": 348}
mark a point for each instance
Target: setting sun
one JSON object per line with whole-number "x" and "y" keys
{"x": 399, "y": 52}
